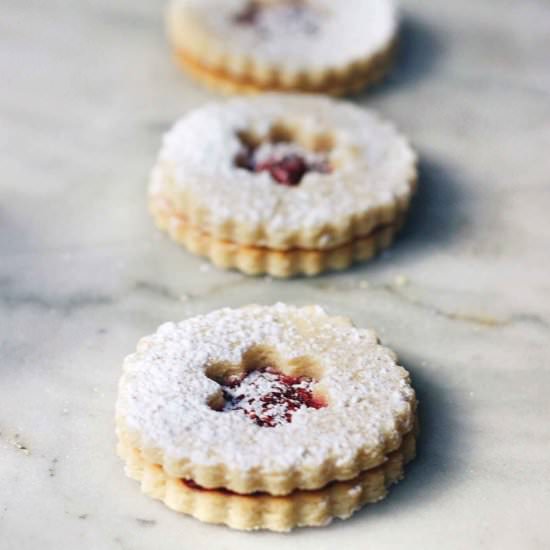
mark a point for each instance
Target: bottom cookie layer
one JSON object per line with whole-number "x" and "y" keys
{"x": 222, "y": 81}
{"x": 257, "y": 260}
{"x": 339, "y": 499}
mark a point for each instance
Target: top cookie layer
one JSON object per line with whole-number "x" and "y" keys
{"x": 305, "y": 35}
{"x": 371, "y": 178}
{"x": 169, "y": 400}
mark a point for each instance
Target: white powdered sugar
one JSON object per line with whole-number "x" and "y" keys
{"x": 355, "y": 491}
{"x": 372, "y": 166}
{"x": 165, "y": 394}
{"x": 277, "y": 151}
{"x": 301, "y": 34}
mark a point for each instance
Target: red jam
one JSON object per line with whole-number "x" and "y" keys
{"x": 270, "y": 398}
{"x": 190, "y": 484}
{"x": 288, "y": 169}
{"x": 196, "y": 487}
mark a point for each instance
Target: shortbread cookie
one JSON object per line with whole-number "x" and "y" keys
{"x": 338, "y": 499}
{"x": 283, "y": 184}
{"x": 321, "y": 46}
{"x": 264, "y": 398}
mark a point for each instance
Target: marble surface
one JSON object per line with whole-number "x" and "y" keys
{"x": 464, "y": 295}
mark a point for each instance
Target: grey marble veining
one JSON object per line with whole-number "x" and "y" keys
{"x": 464, "y": 295}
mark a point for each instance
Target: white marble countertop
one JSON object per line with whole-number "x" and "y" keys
{"x": 464, "y": 295}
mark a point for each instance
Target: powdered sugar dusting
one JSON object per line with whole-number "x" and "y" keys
{"x": 355, "y": 491}
{"x": 277, "y": 151}
{"x": 165, "y": 392}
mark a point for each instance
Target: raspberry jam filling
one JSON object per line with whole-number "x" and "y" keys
{"x": 196, "y": 487}
{"x": 287, "y": 163}
{"x": 268, "y": 397}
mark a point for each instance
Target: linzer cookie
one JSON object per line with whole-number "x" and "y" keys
{"x": 265, "y": 417}
{"x": 321, "y": 46}
{"x": 283, "y": 184}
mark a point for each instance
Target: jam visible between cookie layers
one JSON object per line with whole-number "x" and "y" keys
{"x": 190, "y": 484}
{"x": 268, "y": 397}
{"x": 285, "y": 167}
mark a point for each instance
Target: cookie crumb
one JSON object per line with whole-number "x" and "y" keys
{"x": 19, "y": 445}
{"x": 400, "y": 281}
